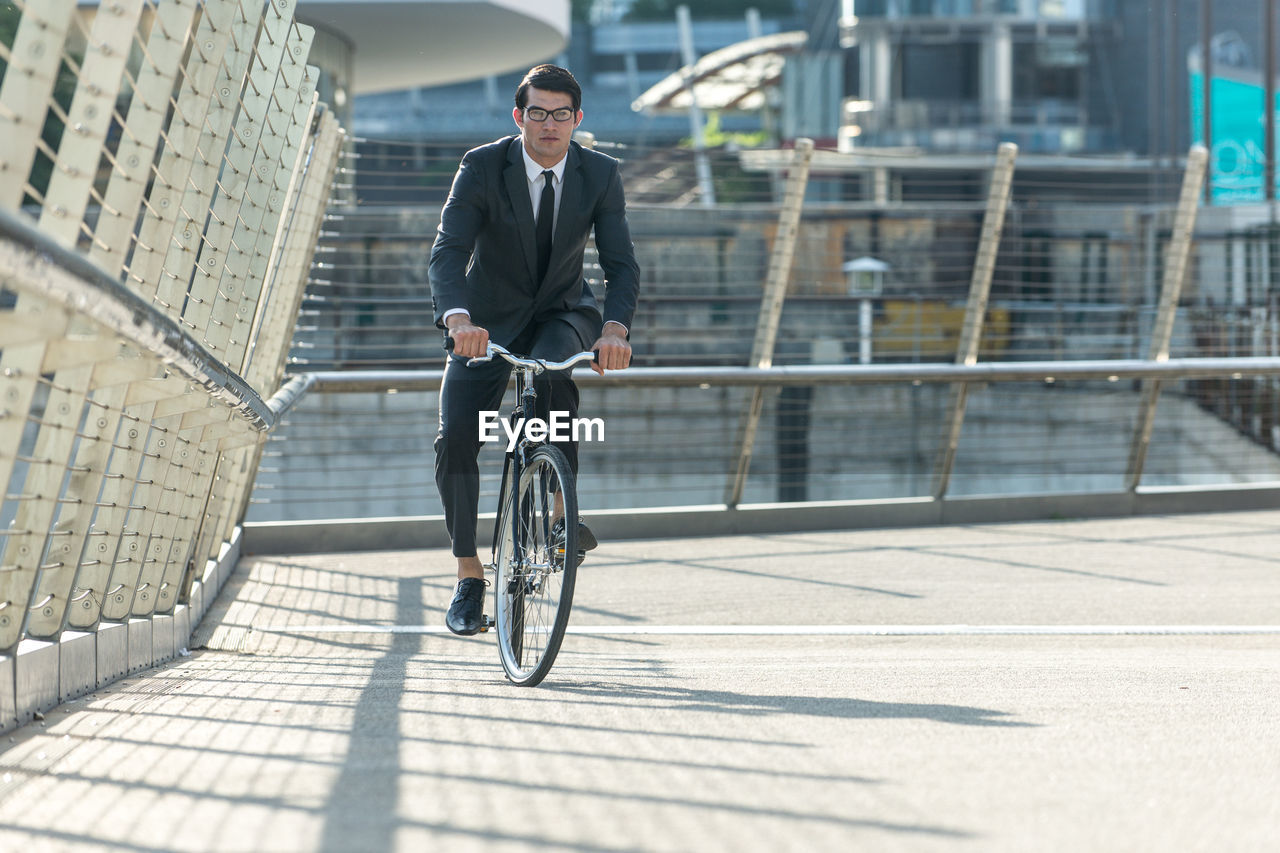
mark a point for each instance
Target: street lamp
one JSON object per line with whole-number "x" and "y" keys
{"x": 865, "y": 277}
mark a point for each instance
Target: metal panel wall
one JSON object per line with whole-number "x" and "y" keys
{"x": 166, "y": 168}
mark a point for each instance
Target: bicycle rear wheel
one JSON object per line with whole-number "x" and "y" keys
{"x": 536, "y": 567}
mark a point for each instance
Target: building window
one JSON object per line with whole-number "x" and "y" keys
{"x": 940, "y": 72}
{"x": 853, "y": 72}
{"x": 645, "y": 62}
{"x": 1041, "y": 70}
{"x": 1094, "y": 272}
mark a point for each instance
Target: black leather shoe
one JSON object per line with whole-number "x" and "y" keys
{"x": 466, "y": 613}
{"x": 586, "y": 539}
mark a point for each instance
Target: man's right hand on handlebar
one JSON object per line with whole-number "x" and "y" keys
{"x": 469, "y": 340}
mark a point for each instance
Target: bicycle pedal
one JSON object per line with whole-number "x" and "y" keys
{"x": 486, "y": 622}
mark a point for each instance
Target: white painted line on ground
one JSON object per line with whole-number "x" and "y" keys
{"x": 928, "y": 630}
{"x": 816, "y": 630}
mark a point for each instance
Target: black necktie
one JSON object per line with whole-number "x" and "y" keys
{"x": 546, "y": 217}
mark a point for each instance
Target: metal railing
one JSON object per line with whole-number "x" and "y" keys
{"x": 1078, "y": 308}
{"x": 852, "y": 417}
{"x": 166, "y": 167}
{"x": 1077, "y": 274}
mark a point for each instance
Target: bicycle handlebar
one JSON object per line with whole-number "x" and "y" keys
{"x": 538, "y": 365}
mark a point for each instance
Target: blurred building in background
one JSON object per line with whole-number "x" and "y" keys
{"x": 1062, "y": 76}
{"x": 928, "y": 83}
{"x": 1055, "y": 76}
{"x": 375, "y": 45}
{"x": 615, "y": 61}
{"x": 964, "y": 75}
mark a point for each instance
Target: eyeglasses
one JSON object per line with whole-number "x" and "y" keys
{"x": 539, "y": 114}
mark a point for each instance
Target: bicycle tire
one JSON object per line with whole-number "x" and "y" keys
{"x": 535, "y": 575}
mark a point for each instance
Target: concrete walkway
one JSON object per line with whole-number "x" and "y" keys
{"x": 1073, "y": 685}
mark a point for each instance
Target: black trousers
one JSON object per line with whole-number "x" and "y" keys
{"x": 467, "y": 391}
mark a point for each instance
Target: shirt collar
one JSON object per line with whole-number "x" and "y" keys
{"x": 533, "y": 170}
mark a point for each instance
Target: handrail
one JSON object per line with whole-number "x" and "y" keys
{"x": 372, "y": 381}
{"x": 81, "y": 286}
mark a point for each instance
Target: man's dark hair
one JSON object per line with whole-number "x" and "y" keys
{"x": 552, "y": 78}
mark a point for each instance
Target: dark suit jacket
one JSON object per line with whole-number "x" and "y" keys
{"x": 485, "y": 258}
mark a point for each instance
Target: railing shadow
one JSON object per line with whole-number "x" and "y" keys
{"x": 375, "y": 743}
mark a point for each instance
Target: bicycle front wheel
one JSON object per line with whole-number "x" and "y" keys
{"x": 536, "y": 564}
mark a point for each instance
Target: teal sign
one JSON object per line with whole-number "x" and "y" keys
{"x": 1237, "y": 163}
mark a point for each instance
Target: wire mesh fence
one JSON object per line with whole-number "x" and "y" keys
{"x": 357, "y": 455}
{"x": 1077, "y": 276}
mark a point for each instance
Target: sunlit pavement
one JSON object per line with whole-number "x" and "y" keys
{"x": 1072, "y": 685}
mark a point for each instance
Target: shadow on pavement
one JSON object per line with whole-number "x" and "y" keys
{"x": 375, "y": 744}
{"x": 752, "y": 704}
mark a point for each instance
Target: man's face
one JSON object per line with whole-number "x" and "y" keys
{"x": 546, "y": 140}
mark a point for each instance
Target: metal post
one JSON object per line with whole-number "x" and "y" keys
{"x": 1206, "y": 84}
{"x": 865, "y": 328}
{"x": 1269, "y": 99}
{"x": 754, "y": 31}
{"x": 1170, "y": 291}
{"x": 1155, "y": 148}
{"x": 775, "y": 290}
{"x": 979, "y": 290}
{"x": 1174, "y": 69}
{"x": 1269, "y": 135}
{"x": 491, "y": 97}
{"x": 701, "y": 163}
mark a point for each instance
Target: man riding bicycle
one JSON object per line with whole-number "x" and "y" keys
{"x": 507, "y": 266}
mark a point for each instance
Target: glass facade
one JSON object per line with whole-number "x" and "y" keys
{"x": 964, "y": 75}
{"x": 1026, "y": 9}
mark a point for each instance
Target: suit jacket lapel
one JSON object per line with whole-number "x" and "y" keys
{"x": 570, "y": 202}
{"x": 518, "y": 191}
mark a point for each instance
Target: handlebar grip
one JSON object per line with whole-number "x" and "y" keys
{"x": 448, "y": 342}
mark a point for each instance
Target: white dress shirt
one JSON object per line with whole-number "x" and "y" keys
{"x": 533, "y": 172}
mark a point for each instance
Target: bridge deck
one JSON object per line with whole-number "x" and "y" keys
{"x": 1065, "y": 685}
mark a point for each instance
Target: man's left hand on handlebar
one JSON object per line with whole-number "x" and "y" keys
{"x": 613, "y": 348}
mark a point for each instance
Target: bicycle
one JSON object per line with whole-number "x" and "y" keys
{"x": 535, "y": 536}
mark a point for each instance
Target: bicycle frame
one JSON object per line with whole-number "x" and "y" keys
{"x": 515, "y": 459}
